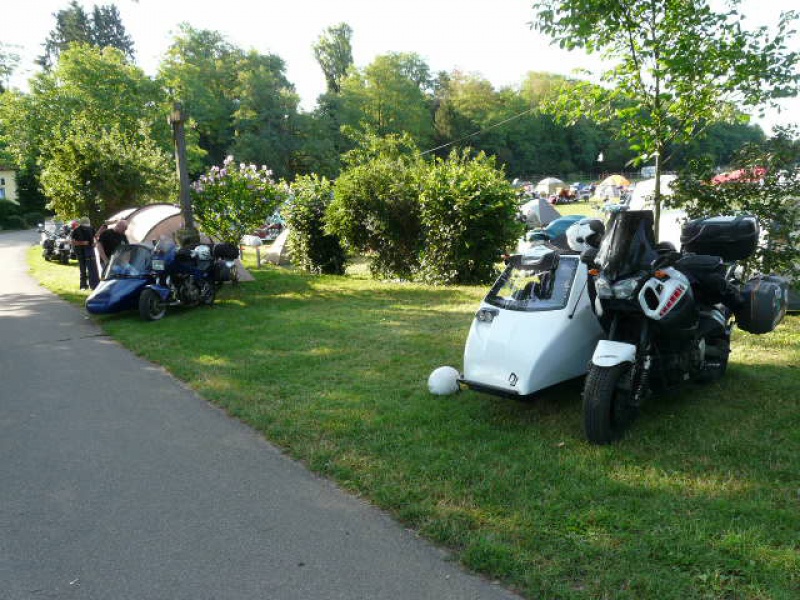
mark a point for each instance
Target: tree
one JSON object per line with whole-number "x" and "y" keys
{"x": 334, "y": 54}
{"x": 108, "y": 30}
{"x": 265, "y": 120}
{"x": 387, "y": 97}
{"x": 677, "y": 67}
{"x": 94, "y": 128}
{"x": 8, "y": 64}
{"x": 74, "y": 25}
{"x": 201, "y": 71}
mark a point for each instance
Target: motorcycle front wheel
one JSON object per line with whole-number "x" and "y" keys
{"x": 151, "y": 307}
{"x": 607, "y": 408}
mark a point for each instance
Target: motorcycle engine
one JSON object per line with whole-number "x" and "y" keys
{"x": 189, "y": 292}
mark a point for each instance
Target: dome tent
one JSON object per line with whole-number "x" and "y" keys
{"x": 149, "y": 223}
{"x": 549, "y": 186}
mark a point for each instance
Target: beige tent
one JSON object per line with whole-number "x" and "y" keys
{"x": 550, "y": 185}
{"x": 148, "y": 224}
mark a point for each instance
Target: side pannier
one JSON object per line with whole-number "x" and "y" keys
{"x": 764, "y": 302}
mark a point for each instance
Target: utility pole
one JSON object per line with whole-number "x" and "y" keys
{"x": 177, "y": 118}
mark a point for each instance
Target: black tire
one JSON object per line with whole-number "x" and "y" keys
{"x": 607, "y": 410}
{"x": 64, "y": 259}
{"x": 151, "y": 307}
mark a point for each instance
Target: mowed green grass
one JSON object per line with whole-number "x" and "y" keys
{"x": 700, "y": 500}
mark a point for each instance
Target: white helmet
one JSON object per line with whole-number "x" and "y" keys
{"x": 202, "y": 252}
{"x": 444, "y": 381}
{"x": 585, "y": 234}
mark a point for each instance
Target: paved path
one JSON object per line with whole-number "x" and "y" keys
{"x": 116, "y": 482}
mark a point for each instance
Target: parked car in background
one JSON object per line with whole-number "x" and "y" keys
{"x": 271, "y": 229}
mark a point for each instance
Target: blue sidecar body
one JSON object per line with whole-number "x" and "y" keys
{"x": 128, "y": 273}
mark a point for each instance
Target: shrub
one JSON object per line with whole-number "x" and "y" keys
{"x": 311, "y": 247}
{"x": 468, "y": 211}
{"x": 230, "y": 202}
{"x": 375, "y": 208}
{"x": 14, "y": 222}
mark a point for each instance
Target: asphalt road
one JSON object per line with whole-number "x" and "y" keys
{"x": 117, "y": 482}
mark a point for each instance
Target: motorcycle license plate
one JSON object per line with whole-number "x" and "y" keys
{"x": 158, "y": 264}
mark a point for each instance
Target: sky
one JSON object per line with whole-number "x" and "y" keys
{"x": 491, "y": 38}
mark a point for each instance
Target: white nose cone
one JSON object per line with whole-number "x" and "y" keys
{"x": 443, "y": 381}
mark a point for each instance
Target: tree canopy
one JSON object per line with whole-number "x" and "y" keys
{"x": 73, "y": 25}
{"x": 676, "y": 66}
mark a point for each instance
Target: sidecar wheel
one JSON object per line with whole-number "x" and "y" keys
{"x": 151, "y": 307}
{"x": 607, "y": 411}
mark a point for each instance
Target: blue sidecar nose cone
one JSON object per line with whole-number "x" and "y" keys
{"x": 115, "y": 295}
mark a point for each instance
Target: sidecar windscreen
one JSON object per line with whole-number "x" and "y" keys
{"x": 530, "y": 288}
{"x": 129, "y": 261}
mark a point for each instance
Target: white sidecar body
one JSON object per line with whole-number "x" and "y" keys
{"x": 535, "y": 328}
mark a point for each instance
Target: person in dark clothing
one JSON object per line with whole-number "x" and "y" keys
{"x": 110, "y": 239}
{"x": 83, "y": 244}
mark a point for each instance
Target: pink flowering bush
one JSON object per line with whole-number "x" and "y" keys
{"x": 234, "y": 200}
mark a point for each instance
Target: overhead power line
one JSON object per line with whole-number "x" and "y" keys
{"x": 481, "y": 131}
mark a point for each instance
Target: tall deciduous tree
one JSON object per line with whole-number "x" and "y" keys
{"x": 389, "y": 97}
{"x": 334, "y": 53}
{"x": 265, "y": 120}
{"x": 678, "y": 66}
{"x": 201, "y": 70}
{"x": 8, "y": 63}
{"x": 73, "y": 25}
{"x": 94, "y": 128}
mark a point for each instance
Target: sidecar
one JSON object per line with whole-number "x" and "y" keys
{"x": 128, "y": 273}
{"x": 535, "y": 328}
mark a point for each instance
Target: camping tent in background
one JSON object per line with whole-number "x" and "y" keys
{"x": 611, "y": 188}
{"x": 538, "y": 212}
{"x": 549, "y": 186}
{"x": 616, "y": 180}
{"x": 644, "y": 191}
{"x": 148, "y": 224}
{"x": 671, "y": 220}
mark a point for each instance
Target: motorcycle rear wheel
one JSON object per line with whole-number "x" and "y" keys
{"x": 607, "y": 408}
{"x": 151, "y": 307}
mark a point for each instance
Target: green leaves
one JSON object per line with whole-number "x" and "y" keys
{"x": 311, "y": 247}
{"x": 234, "y": 200}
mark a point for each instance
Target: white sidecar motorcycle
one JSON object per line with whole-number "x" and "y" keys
{"x": 536, "y": 327}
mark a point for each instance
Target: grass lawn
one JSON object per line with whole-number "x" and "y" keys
{"x": 700, "y": 500}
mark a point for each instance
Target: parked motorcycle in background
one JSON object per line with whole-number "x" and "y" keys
{"x": 667, "y": 315}
{"x": 151, "y": 279}
{"x": 55, "y": 241}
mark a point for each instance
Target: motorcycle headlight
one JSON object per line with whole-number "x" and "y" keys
{"x": 603, "y": 288}
{"x": 624, "y": 289}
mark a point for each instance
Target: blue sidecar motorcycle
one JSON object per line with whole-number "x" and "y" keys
{"x": 150, "y": 280}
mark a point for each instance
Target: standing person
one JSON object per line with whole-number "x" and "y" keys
{"x": 110, "y": 239}
{"x": 83, "y": 244}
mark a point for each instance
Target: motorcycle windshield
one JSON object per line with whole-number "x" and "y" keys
{"x": 526, "y": 289}
{"x": 628, "y": 245}
{"x": 130, "y": 260}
